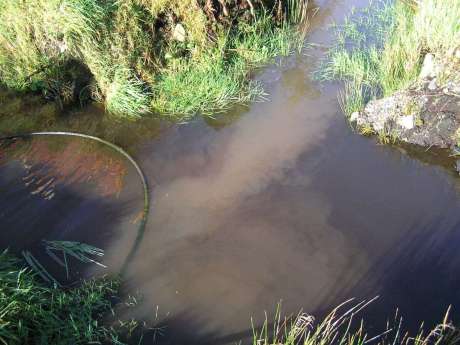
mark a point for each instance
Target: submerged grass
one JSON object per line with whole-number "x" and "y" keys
{"x": 138, "y": 61}
{"x": 34, "y": 313}
{"x": 380, "y": 50}
{"x": 341, "y": 328}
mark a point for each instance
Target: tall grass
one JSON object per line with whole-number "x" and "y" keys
{"x": 296, "y": 14}
{"x": 34, "y": 313}
{"x": 129, "y": 49}
{"x": 219, "y": 78}
{"x": 380, "y": 50}
{"x": 37, "y": 36}
{"x": 341, "y": 327}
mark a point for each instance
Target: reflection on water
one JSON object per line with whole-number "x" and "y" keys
{"x": 221, "y": 230}
{"x": 284, "y": 202}
{"x": 61, "y": 188}
{"x": 62, "y": 161}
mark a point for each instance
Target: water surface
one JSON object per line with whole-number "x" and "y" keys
{"x": 284, "y": 202}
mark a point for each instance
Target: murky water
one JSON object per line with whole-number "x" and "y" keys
{"x": 285, "y": 202}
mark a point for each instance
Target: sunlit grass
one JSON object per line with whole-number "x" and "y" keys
{"x": 220, "y": 77}
{"x": 34, "y": 313}
{"x": 351, "y": 98}
{"x": 343, "y": 327}
{"x": 206, "y": 87}
{"x": 127, "y": 95}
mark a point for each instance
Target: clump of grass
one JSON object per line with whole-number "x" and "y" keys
{"x": 297, "y": 14}
{"x": 37, "y": 36}
{"x": 380, "y": 50}
{"x": 219, "y": 78}
{"x": 34, "y": 313}
{"x": 131, "y": 52}
{"x": 351, "y": 98}
{"x": 127, "y": 95}
{"x": 207, "y": 87}
{"x": 340, "y": 327}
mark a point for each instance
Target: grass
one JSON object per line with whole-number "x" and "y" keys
{"x": 340, "y": 327}
{"x": 219, "y": 78}
{"x": 77, "y": 250}
{"x": 380, "y": 50}
{"x": 34, "y": 313}
{"x": 129, "y": 48}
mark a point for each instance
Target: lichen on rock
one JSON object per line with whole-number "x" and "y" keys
{"x": 427, "y": 113}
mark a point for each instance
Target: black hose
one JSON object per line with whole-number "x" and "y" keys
{"x": 141, "y": 229}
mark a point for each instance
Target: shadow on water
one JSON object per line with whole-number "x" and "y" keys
{"x": 403, "y": 216}
{"x": 419, "y": 278}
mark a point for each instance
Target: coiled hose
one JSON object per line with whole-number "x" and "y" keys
{"x": 141, "y": 228}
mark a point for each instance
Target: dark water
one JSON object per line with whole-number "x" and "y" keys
{"x": 283, "y": 202}
{"x": 63, "y": 188}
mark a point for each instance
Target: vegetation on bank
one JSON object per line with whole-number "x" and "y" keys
{"x": 381, "y": 49}
{"x": 35, "y": 313}
{"x": 341, "y": 327}
{"x": 141, "y": 56}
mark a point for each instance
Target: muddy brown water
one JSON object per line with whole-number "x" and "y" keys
{"x": 278, "y": 201}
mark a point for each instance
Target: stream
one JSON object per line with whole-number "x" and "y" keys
{"x": 278, "y": 201}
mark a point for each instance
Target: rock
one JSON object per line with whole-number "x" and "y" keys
{"x": 179, "y": 33}
{"x": 354, "y": 116}
{"x": 457, "y": 53}
{"x": 62, "y": 47}
{"x": 427, "y": 113}
{"x": 406, "y": 122}
{"x": 428, "y": 68}
{"x": 432, "y": 86}
{"x": 433, "y": 121}
{"x": 378, "y": 112}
